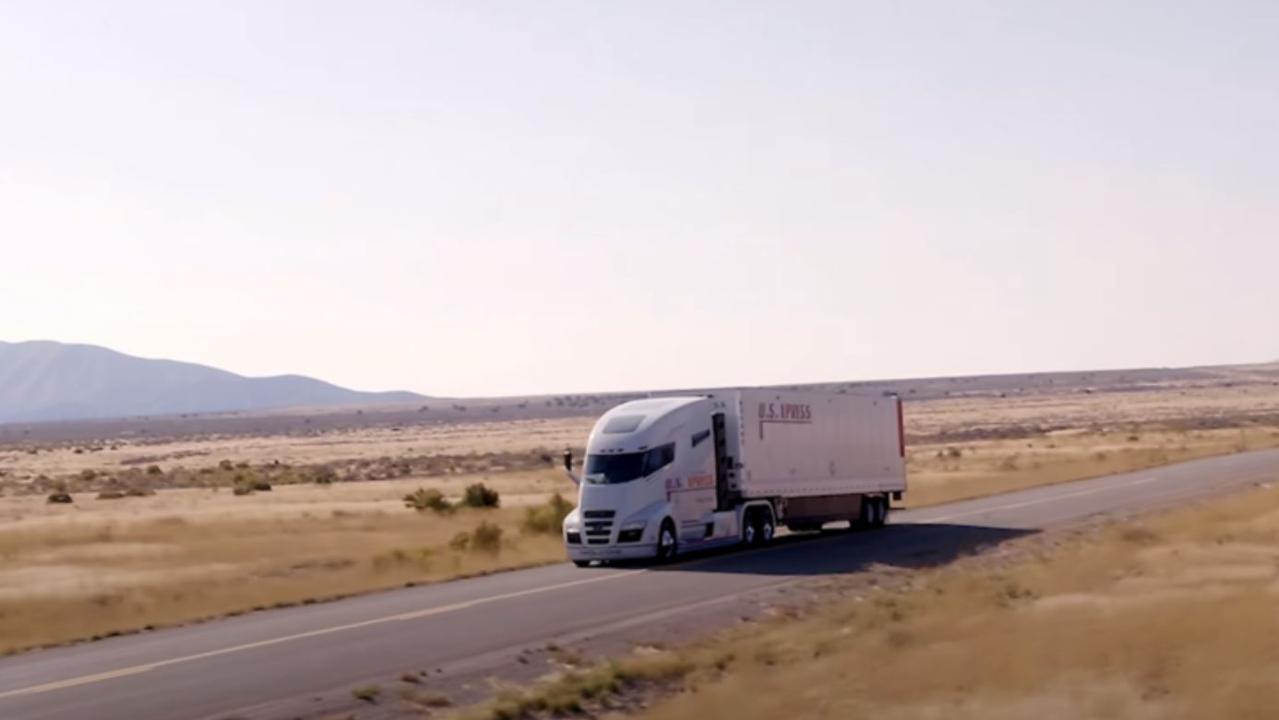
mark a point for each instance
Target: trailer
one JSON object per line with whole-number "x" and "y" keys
{"x": 668, "y": 475}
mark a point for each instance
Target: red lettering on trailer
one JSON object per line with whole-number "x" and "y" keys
{"x": 784, "y": 413}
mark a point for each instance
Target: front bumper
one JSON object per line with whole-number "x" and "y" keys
{"x": 629, "y": 551}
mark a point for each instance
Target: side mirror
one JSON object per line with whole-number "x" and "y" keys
{"x": 568, "y": 466}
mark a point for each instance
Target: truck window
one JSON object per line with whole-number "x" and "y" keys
{"x": 658, "y": 458}
{"x": 613, "y": 469}
{"x": 625, "y": 467}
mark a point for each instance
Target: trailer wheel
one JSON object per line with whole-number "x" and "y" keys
{"x": 667, "y": 541}
{"x": 881, "y": 512}
{"x": 865, "y": 515}
{"x": 874, "y": 513}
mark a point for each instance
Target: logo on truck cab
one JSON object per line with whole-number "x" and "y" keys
{"x": 784, "y": 413}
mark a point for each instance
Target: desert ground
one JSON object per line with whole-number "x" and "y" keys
{"x": 168, "y": 528}
{"x": 1169, "y": 615}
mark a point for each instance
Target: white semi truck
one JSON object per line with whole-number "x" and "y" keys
{"x": 668, "y": 475}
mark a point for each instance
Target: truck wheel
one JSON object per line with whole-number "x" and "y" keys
{"x": 881, "y": 512}
{"x": 582, "y": 563}
{"x": 766, "y": 528}
{"x": 667, "y": 541}
{"x": 865, "y": 515}
{"x": 758, "y": 527}
{"x": 874, "y": 513}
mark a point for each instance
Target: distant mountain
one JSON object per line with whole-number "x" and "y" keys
{"x": 43, "y": 380}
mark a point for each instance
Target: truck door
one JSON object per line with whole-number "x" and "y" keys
{"x": 691, "y": 490}
{"x": 723, "y": 464}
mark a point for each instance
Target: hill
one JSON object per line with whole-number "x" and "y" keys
{"x": 44, "y": 380}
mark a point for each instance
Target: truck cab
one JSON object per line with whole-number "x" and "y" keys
{"x": 652, "y": 481}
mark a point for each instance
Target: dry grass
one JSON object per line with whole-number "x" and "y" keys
{"x": 1175, "y": 406}
{"x": 1171, "y": 617}
{"x": 102, "y": 566}
{"x": 363, "y": 444}
{"x": 577, "y": 690}
{"x": 71, "y": 572}
{"x": 944, "y": 472}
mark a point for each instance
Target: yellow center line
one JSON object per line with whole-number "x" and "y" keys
{"x": 398, "y": 617}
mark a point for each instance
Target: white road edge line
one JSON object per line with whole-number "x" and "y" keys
{"x": 1040, "y": 501}
{"x": 413, "y": 615}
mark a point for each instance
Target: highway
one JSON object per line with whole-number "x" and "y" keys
{"x": 270, "y": 663}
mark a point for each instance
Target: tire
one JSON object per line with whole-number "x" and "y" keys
{"x": 767, "y": 528}
{"x": 874, "y": 513}
{"x": 667, "y": 542}
{"x": 582, "y": 563}
{"x": 758, "y": 527}
{"x": 865, "y": 515}
{"x": 882, "y": 518}
{"x": 750, "y": 532}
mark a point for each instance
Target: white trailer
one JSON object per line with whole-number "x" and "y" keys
{"x": 672, "y": 474}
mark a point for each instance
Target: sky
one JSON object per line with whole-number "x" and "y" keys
{"x": 489, "y": 198}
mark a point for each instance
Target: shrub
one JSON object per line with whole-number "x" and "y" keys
{"x": 549, "y": 517}
{"x": 460, "y": 541}
{"x": 60, "y": 498}
{"x": 486, "y": 538}
{"x": 110, "y": 495}
{"x": 480, "y": 496}
{"x": 426, "y": 698}
{"x": 424, "y": 499}
{"x": 261, "y": 485}
{"x": 226, "y": 465}
{"x": 242, "y": 489}
{"x": 368, "y": 693}
{"x": 139, "y": 492}
{"x": 154, "y": 470}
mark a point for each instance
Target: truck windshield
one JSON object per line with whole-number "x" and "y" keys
{"x": 625, "y": 467}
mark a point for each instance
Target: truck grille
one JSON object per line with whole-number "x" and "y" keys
{"x": 598, "y": 525}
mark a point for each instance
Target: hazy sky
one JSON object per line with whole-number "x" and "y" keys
{"x": 489, "y": 198}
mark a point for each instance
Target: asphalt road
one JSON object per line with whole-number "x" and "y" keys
{"x": 238, "y": 666}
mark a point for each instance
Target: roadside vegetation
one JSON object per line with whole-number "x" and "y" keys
{"x": 162, "y": 532}
{"x": 945, "y": 472}
{"x": 245, "y": 478}
{"x": 89, "y": 574}
{"x": 1170, "y": 616}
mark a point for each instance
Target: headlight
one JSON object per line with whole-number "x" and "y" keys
{"x": 631, "y": 532}
{"x": 573, "y": 522}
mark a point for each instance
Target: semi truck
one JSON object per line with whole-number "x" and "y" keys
{"x": 668, "y": 475}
